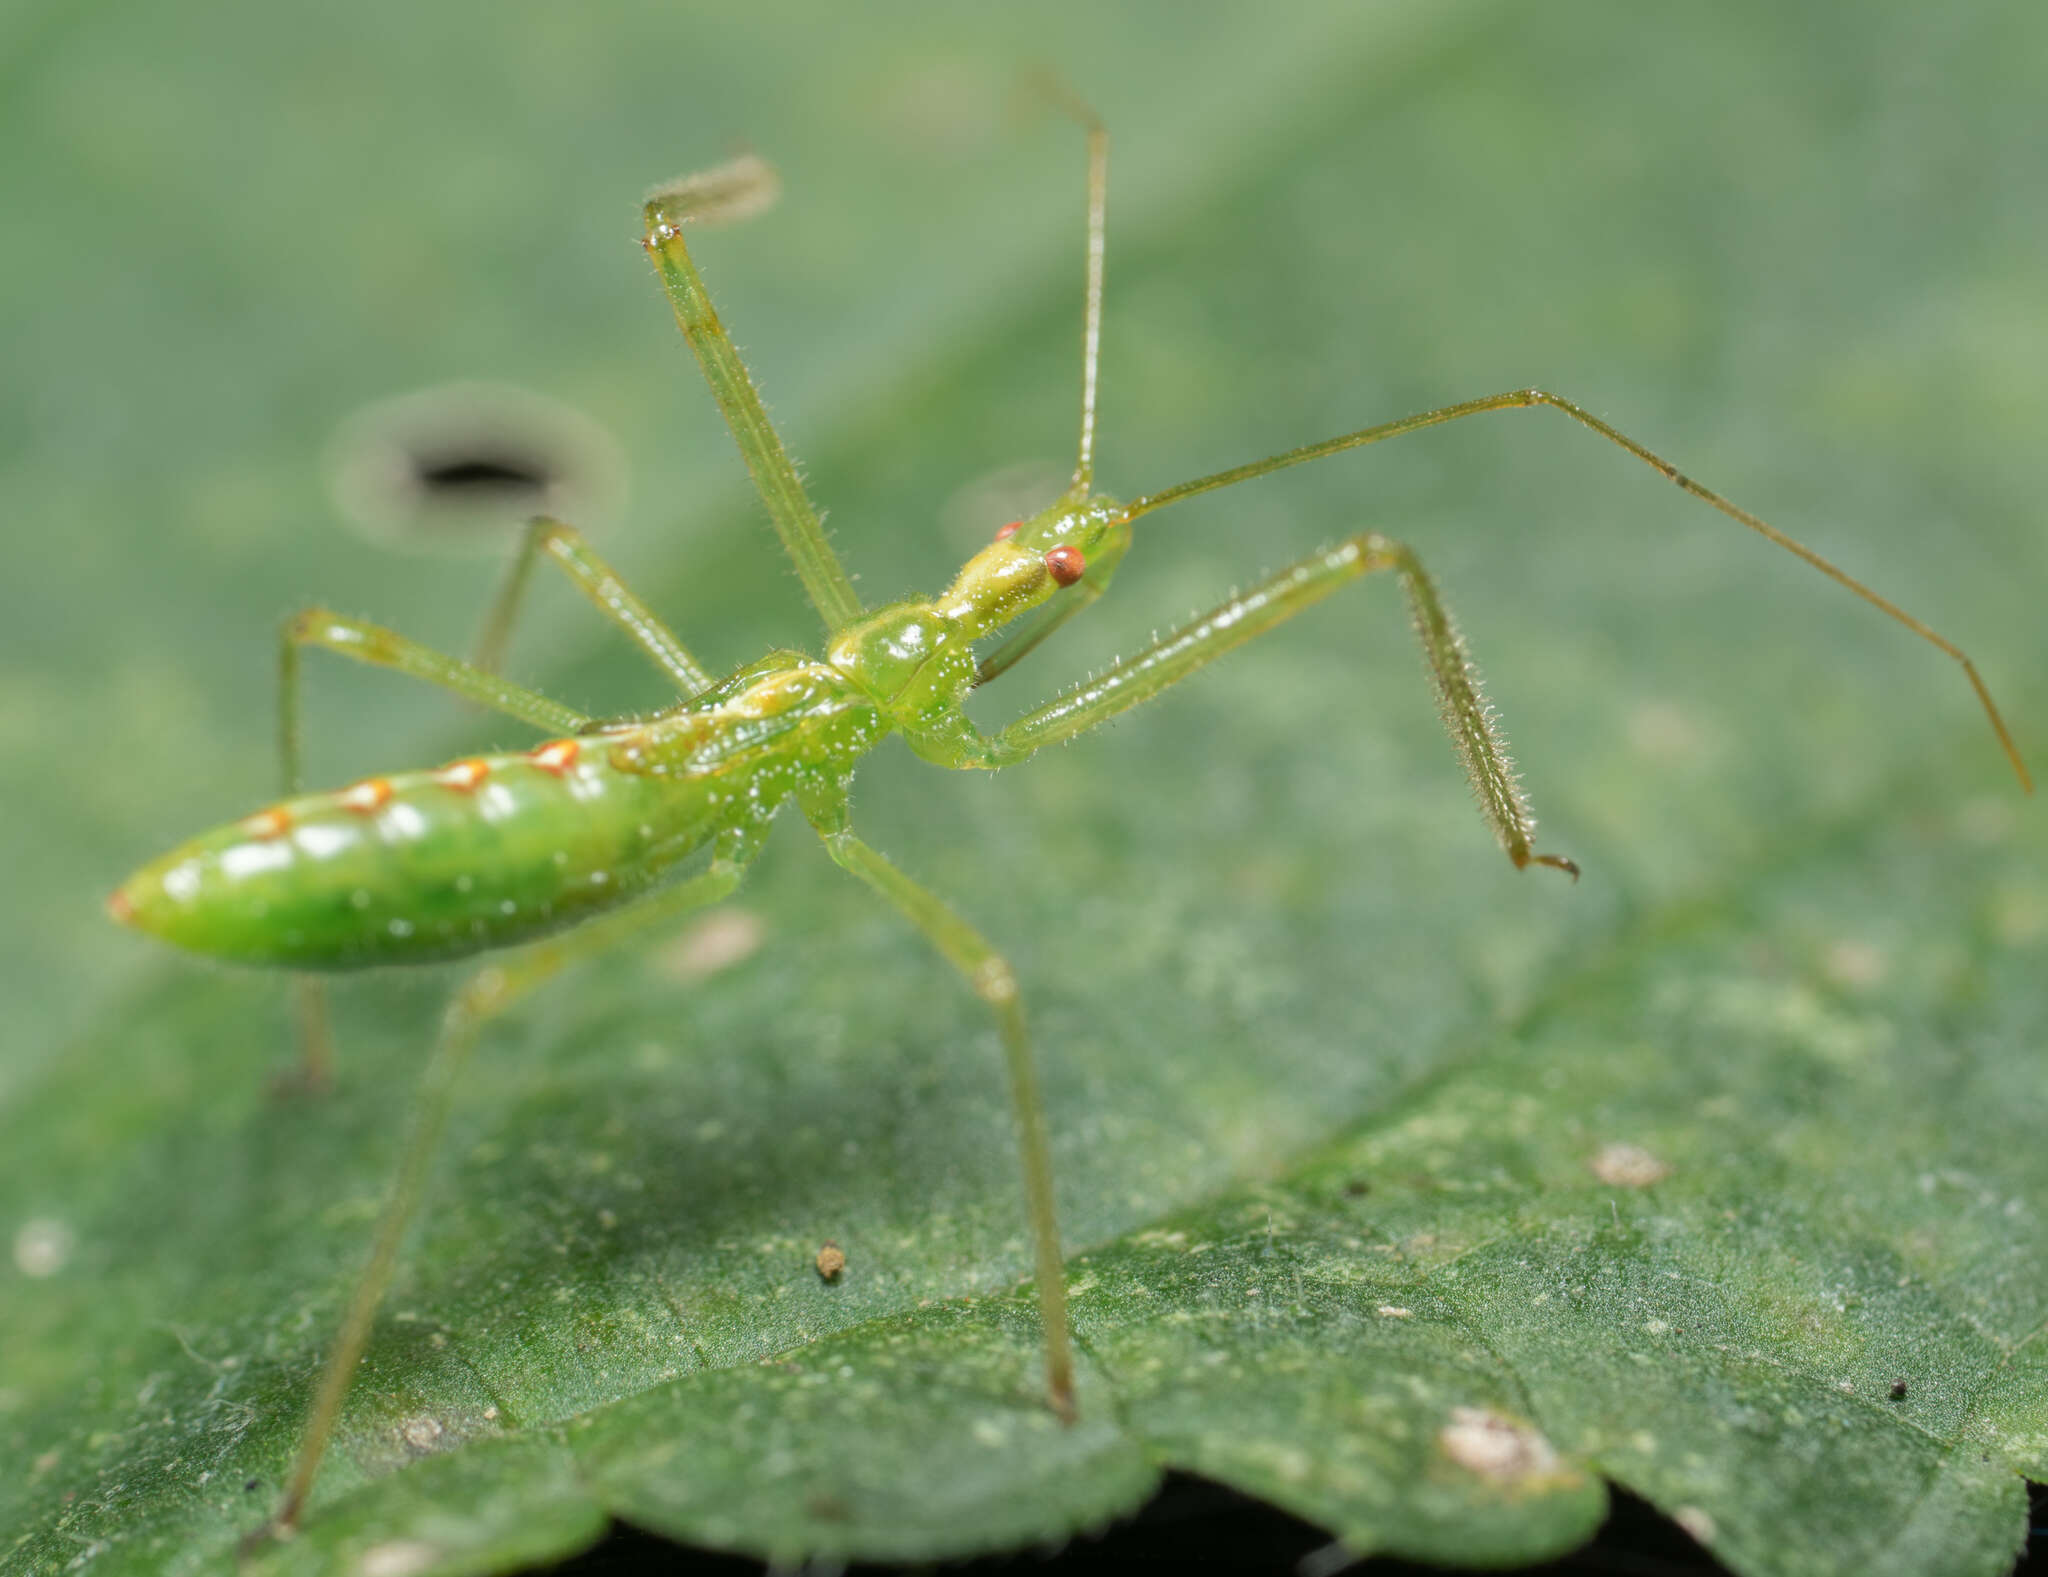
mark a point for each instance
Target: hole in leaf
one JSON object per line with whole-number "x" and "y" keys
{"x": 482, "y": 475}
{"x": 466, "y": 464}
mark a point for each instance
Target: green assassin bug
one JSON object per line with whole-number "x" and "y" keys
{"x": 595, "y": 824}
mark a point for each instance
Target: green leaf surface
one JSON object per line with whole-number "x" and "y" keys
{"x": 1414, "y": 1196}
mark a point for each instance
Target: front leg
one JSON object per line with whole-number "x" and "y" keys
{"x": 1467, "y": 715}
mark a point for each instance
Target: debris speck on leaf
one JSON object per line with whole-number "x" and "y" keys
{"x": 1629, "y": 1166}
{"x": 1496, "y": 1448}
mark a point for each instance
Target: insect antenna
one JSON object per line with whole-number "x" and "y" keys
{"x": 1526, "y": 399}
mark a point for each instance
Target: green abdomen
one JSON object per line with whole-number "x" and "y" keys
{"x": 497, "y": 850}
{"x": 423, "y": 865}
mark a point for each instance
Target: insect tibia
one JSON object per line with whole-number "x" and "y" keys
{"x": 1469, "y": 718}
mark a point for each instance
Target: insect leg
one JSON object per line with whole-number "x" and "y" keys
{"x": 382, "y": 648}
{"x": 315, "y": 1073}
{"x": 1467, "y": 716}
{"x": 1528, "y": 399}
{"x": 990, "y": 977}
{"x": 488, "y": 992}
{"x": 565, "y": 546}
{"x": 706, "y": 197}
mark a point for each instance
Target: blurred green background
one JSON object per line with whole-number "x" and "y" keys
{"x": 1797, "y": 248}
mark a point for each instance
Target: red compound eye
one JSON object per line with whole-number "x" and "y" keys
{"x": 1065, "y": 565}
{"x": 1004, "y": 533}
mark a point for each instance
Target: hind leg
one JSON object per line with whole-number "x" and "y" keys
{"x": 487, "y": 993}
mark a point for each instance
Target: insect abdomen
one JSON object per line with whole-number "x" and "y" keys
{"x": 420, "y": 866}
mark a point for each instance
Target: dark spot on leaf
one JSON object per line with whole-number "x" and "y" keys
{"x": 470, "y": 463}
{"x": 485, "y": 475}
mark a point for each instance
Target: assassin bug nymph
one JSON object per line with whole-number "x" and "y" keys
{"x": 499, "y": 850}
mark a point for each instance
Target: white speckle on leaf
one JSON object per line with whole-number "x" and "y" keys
{"x": 1655, "y": 1327}
{"x": 1393, "y": 1311}
{"x": 1696, "y": 1522}
{"x": 1855, "y": 964}
{"x": 42, "y": 1247}
{"x": 720, "y": 940}
{"x": 422, "y": 1434}
{"x": 1496, "y": 1448}
{"x": 399, "y": 1558}
{"x": 1629, "y": 1166}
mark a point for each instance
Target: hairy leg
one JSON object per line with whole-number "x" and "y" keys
{"x": 1467, "y": 716}
{"x": 989, "y": 976}
{"x": 730, "y": 191}
{"x": 565, "y": 547}
{"x": 487, "y": 993}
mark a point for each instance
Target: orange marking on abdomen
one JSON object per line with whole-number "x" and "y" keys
{"x": 366, "y": 796}
{"x": 120, "y": 906}
{"x": 463, "y": 775}
{"x": 556, "y": 756}
{"x": 272, "y": 823}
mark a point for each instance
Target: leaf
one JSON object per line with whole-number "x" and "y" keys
{"x": 1303, "y": 1034}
